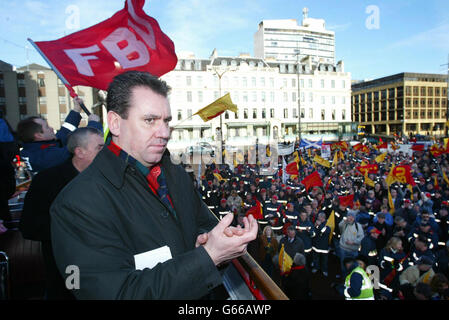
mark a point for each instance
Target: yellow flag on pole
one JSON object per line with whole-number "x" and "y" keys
{"x": 445, "y": 177}
{"x": 321, "y": 161}
{"x": 217, "y": 107}
{"x": 335, "y": 161}
{"x": 368, "y": 181}
{"x": 380, "y": 158}
{"x": 331, "y": 224}
{"x": 285, "y": 261}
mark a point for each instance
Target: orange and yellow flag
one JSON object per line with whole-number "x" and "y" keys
{"x": 217, "y": 107}
{"x": 285, "y": 261}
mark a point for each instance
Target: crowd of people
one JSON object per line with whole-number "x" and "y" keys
{"x": 391, "y": 237}
{"x": 399, "y": 230}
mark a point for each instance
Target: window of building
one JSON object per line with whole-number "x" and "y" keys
{"x": 21, "y": 83}
{"x": 430, "y": 91}
{"x": 310, "y": 83}
{"x": 285, "y": 97}
{"x": 343, "y": 84}
{"x": 322, "y": 83}
{"x": 302, "y": 83}
{"x": 253, "y": 82}
{"x": 62, "y": 100}
{"x": 323, "y": 114}
{"x": 333, "y": 84}
{"x": 189, "y": 96}
{"x": 285, "y": 113}
{"x": 254, "y": 96}
{"x": 41, "y": 82}
{"x": 271, "y": 113}
{"x": 310, "y": 113}
{"x": 272, "y": 97}
{"x": 333, "y": 99}
{"x": 244, "y": 82}
{"x": 303, "y": 97}
{"x": 189, "y": 113}
{"x": 343, "y": 114}
{"x": 284, "y": 83}
{"x": 415, "y": 91}
{"x": 303, "y": 113}
{"x": 235, "y": 96}
{"x": 216, "y": 95}
{"x": 323, "y": 100}
{"x": 333, "y": 114}
{"x": 272, "y": 82}
{"x": 200, "y": 96}
{"x": 310, "y": 97}
{"x": 262, "y": 82}
{"x": 23, "y": 100}
{"x": 254, "y": 113}
{"x": 179, "y": 114}
{"x": 189, "y": 81}
{"x": 245, "y": 96}
{"x": 293, "y": 83}
{"x": 293, "y": 96}
{"x": 226, "y": 115}
{"x": 245, "y": 113}
{"x": 408, "y": 91}
{"x": 423, "y": 91}
{"x": 263, "y": 97}
{"x": 264, "y": 113}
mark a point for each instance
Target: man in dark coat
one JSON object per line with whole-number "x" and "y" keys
{"x": 132, "y": 223}
{"x": 84, "y": 144}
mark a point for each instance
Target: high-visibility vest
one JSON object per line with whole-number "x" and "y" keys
{"x": 367, "y": 292}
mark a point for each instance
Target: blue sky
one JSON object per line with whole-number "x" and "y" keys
{"x": 413, "y": 36}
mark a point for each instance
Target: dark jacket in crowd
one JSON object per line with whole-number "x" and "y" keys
{"x": 35, "y": 220}
{"x": 292, "y": 248}
{"x": 297, "y": 285}
{"x": 7, "y": 186}
{"x": 108, "y": 214}
{"x": 368, "y": 249}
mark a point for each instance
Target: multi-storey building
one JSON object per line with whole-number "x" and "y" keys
{"x": 285, "y": 40}
{"x": 266, "y": 93}
{"x": 36, "y": 90}
{"x": 402, "y": 103}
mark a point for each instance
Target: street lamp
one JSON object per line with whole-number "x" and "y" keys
{"x": 299, "y": 96}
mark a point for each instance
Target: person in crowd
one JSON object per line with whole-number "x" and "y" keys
{"x": 350, "y": 240}
{"x": 439, "y": 284}
{"x": 442, "y": 260}
{"x": 381, "y": 225}
{"x": 83, "y": 144}
{"x": 357, "y": 285}
{"x": 7, "y": 186}
{"x": 401, "y": 230}
{"x": 305, "y": 232}
{"x": 268, "y": 247}
{"x": 41, "y": 146}
{"x": 234, "y": 202}
{"x": 132, "y": 221}
{"x": 297, "y": 285}
{"x": 422, "y": 271}
{"x": 368, "y": 246}
{"x": 320, "y": 244}
{"x": 223, "y": 209}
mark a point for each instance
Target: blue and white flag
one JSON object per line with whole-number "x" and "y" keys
{"x": 310, "y": 144}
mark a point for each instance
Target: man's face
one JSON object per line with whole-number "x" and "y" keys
{"x": 48, "y": 133}
{"x": 94, "y": 144}
{"x": 291, "y": 233}
{"x": 145, "y": 134}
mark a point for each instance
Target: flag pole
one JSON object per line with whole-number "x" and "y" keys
{"x": 60, "y": 76}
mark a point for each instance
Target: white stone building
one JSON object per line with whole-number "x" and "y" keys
{"x": 266, "y": 93}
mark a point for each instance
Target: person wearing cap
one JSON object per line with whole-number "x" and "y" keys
{"x": 223, "y": 209}
{"x": 351, "y": 237}
{"x": 421, "y": 272}
{"x": 320, "y": 244}
{"x": 297, "y": 284}
{"x": 357, "y": 285}
{"x": 368, "y": 246}
{"x": 425, "y": 230}
{"x": 426, "y": 202}
{"x": 273, "y": 209}
{"x": 419, "y": 248}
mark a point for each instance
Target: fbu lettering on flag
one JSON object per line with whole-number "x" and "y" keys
{"x": 129, "y": 40}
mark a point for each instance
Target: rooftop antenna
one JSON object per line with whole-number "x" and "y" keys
{"x": 305, "y": 13}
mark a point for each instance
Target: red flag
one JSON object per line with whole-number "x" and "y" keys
{"x": 312, "y": 180}
{"x": 129, "y": 40}
{"x": 418, "y": 147}
{"x": 256, "y": 211}
{"x": 371, "y": 168}
{"x": 403, "y": 173}
{"x": 292, "y": 168}
{"x": 347, "y": 200}
{"x": 361, "y": 147}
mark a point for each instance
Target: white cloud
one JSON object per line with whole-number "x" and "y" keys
{"x": 437, "y": 38}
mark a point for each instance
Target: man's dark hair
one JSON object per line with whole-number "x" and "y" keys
{"x": 119, "y": 91}
{"x": 27, "y": 128}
